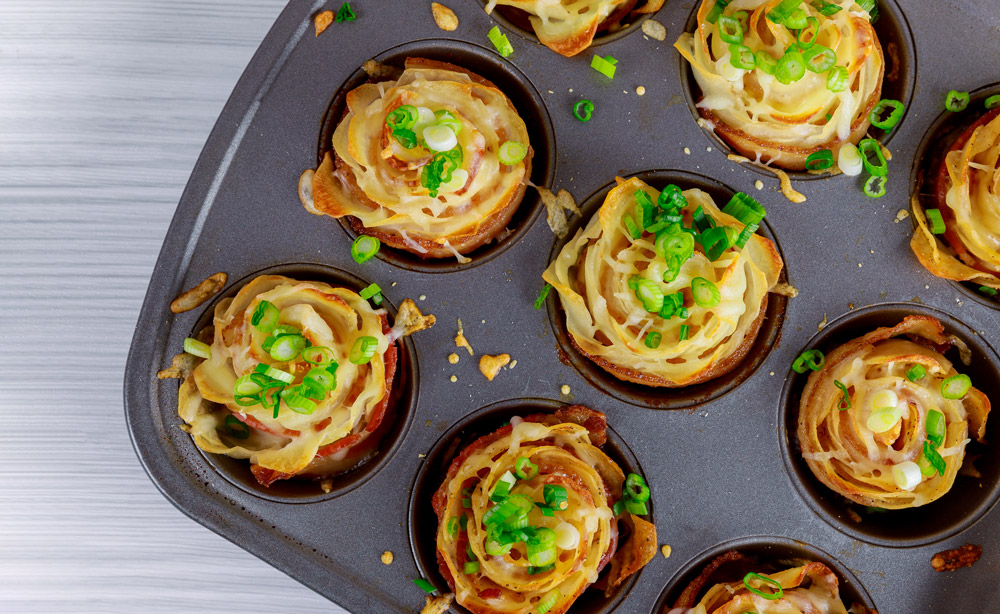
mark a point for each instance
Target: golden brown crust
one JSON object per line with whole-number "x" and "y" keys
{"x": 957, "y": 558}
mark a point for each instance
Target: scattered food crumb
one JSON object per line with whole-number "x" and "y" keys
{"x": 489, "y": 366}
{"x": 454, "y": 378}
{"x": 871, "y": 251}
{"x": 461, "y": 341}
{"x": 666, "y": 550}
{"x": 950, "y": 560}
{"x": 570, "y": 90}
{"x": 758, "y": 184}
{"x": 428, "y": 423}
{"x": 326, "y": 485}
{"x": 687, "y": 151}
{"x": 421, "y": 455}
{"x": 196, "y": 296}
{"x": 709, "y": 148}
{"x": 438, "y": 605}
{"x": 180, "y": 367}
{"x": 850, "y": 305}
{"x": 902, "y": 215}
{"x": 453, "y": 358}
{"x": 393, "y": 284}
{"x": 822, "y": 324}
{"x": 640, "y": 90}
{"x": 411, "y": 320}
{"x": 654, "y": 29}
{"x": 444, "y": 17}
{"x": 859, "y": 265}
{"x": 513, "y": 364}
{"x": 323, "y": 21}
{"x": 556, "y": 206}
{"x": 853, "y": 515}
{"x": 565, "y": 389}
{"x": 387, "y": 557}
{"x": 423, "y": 297}
{"x": 927, "y": 286}
{"x": 551, "y": 92}
{"x": 772, "y": 373}
{"x": 785, "y": 290}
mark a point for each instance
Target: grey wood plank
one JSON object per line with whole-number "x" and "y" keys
{"x": 104, "y": 107}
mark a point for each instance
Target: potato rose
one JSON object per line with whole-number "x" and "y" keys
{"x": 671, "y": 300}
{"x": 778, "y": 93}
{"x": 886, "y": 420}
{"x": 526, "y": 520}
{"x": 435, "y": 162}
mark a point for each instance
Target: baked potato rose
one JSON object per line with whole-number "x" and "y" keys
{"x": 966, "y": 216}
{"x": 435, "y": 162}
{"x": 665, "y": 289}
{"x": 569, "y": 26}
{"x": 886, "y": 419}
{"x": 528, "y": 516}
{"x": 805, "y": 588}
{"x": 297, "y": 379}
{"x": 780, "y": 85}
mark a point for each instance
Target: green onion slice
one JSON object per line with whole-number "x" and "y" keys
{"x": 542, "y": 296}
{"x": 872, "y": 157}
{"x": 363, "y": 350}
{"x": 895, "y": 114}
{"x": 345, "y": 13}
{"x": 741, "y": 57}
{"x": 916, "y": 372}
{"x": 936, "y": 427}
{"x": 370, "y": 291}
{"x": 765, "y": 62}
{"x": 500, "y": 41}
{"x": 806, "y": 37}
{"x": 706, "y": 294}
{"x": 636, "y": 507}
{"x": 988, "y": 291}
{"x": 730, "y": 30}
{"x": 937, "y": 221}
{"x": 636, "y": 488}
{"x": 236, "y": 429}
{"x": 605, "y": 66}
{"x": 403, "y": 116}
{"x": 769, "y": 596}
{"x": 783, "y": 11}
{"x": 524, "y": 469}
{"x": 671, "y": 198}
{"x": 745, "y": 208}
{"x": 197, "y": 348}
{"x": 548, "y": 601}
{"x": 424, "y": 585}
{"x": 653, "y": 340}
{"x": 956, "y": 387}
{"x": 810, "y": 360}
{"x": 278, "y": 374}
{"x": 650, "y": 295}
{"x": 448, "y": 119}
{"x": 364, "y": 247}
{"x": 470, "y": 567}
{"x": 512, "y": 152}
{"x": 819, "y": 160}
{"x": 849, "y": 160}
{"x": 845, "y": 401}
{"x": 286, "y": 329}
{"x": 318, "y": 355}
{"x": 836, "y": 79}
{"x": 321, "y": 377}
{"x": 934, "y": 458}
{"x": 875, "y": 186}
{"x": 265, "y": 317}
{"x": 555, "y": 496}
{"x": 956, "y": 101}
{"x": 452, "y": 526}
{"x": 674, "y": 242}
{"x": 287, "y": 347}
{"x": 717, "y": 9}
{"x": 825, "y": 8}
{"x": 798, "y": 20}
{"x": 685, "y": 331}
{"x": 818, "y": 58}
{"x": 791, "y": 67}
{"x": 992, "y": 102}
{"x": 583, "y": 109}
{"x": 618, "y": 508}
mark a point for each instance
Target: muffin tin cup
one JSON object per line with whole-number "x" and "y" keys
{"x": 969, "y": 498}
{"x": 423, "y": 522}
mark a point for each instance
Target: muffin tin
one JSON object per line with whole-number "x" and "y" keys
{"x": 719, "y": 458}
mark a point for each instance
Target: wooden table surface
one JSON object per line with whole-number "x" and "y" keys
{"x": 104, "y": 107}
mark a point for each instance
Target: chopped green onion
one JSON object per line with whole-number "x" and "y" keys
{"x": 916, "y": 372}
{"x": 671, "y": 199}
{"x": 685, "y": 331}
{"x": 403, "y": 116}
{"x": 534, "y": 570}
{"x": 715, "y": 241}
{"x": 730, "y": 30}
{"x": 345, "y": 13}
{"x": 524, "y": 469}
{"x": 495, "y": 548}
{"x": 836, "y": 79}
{"x": 265, "y": 317}
{"x": 636, "y": 488}
{"x": 287, "y": 347}
{"x": 298, "y": 403}
{"x": 818, "y": 58}
{"x": 745, "y": 234}
{"x": 512, "y": 152}
{"x": 878, "y": 166}
{"x": 278, "y": 374}
{"x": 503, "y": 486}
{"x": 810, "y": 360}
{"x": 819, "y": 160}
{"x": 470, "y": 567}
{"x": 618, "y": 507}
{"x": 322, "y": 378}
{"x": 448, "y": 119}
{"x": 636, "y": 507}
{"x": 845, "y": 401}
{"x": 883, "y": 419}
{"x": 849, "y": 160}
{"x": 540, "y": 556}
{"x": 439, "y": 138}
{"x": 583, "y": 109}
{"x": 988, "y": 291}
{"x": 769, "y": 596}
{"x": 875, "y": 186}
{"x": 406, "y": 138}
{"x": 870, "y": 7}
{"x": 370, "y": 291}
{"x": 542, "y": 296}
{"x": 745, "y": 208}
{"x": 500, "y": 41}
{"x": 791, "y": 67}
{"x": 797, "y": 20}
{"x": 363, "y": 350}
{"x": 650, "y": 295}
{"x": 806, "y": 38}
{"x": 956, "y": 101}
{"x": 826, "y": 8}
{"x": 936, "y": 427}
{"x": 937, "y": 221}
{"x": 555, "y": 496}
{"x": 992, "y": 102}
{"x": 236, "y": 429}
{"x": 631, "y": 227}
{"x": 926, "y": 468}
{"x": 653, "y": 340}
{"x": 741, "y": 57}
{"x": 318, "y": 355}
{"x": 197, "y": 348}
{"x": 783, "y": 11}
{"x": 548, "y": 601}
{"x": 934, "y": 458}
{"x": 249, "y": 385}
{"x": 426, "y": 586}
{"x": 706, "y": 294}
{"x": 766, "y": 62}
{"x": 896, "y": 114}
{"x": 364, "y": 247}
{"x": 452, "y": 526}
{"x": 674, "y": 242}
{"x": 605, "y": 66}
{"x": 286, "y": 329}
{"x": 717, "y": 9}
{"x": 956, "y": 387}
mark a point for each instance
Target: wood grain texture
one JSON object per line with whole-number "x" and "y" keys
{"x": 104, "y": 107}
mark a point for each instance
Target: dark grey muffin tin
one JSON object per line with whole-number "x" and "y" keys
{"x": 723, "y": 468}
